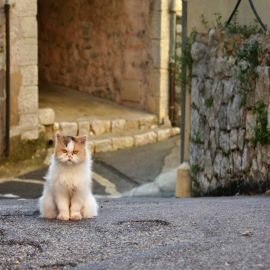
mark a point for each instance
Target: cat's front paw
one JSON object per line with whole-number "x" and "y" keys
{"x": 63, "y": 216}
{"x": 75, "y": 216}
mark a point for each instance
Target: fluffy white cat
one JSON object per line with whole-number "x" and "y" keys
{"x": 67, "y": 193}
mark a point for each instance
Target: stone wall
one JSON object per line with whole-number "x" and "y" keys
{"x": 100, "y": 47}
{"x": 229, "y": 148}
{"x": 24, "y": 77}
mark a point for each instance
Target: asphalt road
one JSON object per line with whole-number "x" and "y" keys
{"x": 201, "y": 233}
{"x": 125, "y": 169}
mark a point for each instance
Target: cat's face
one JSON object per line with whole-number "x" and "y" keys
{"x": 70, "y": 150}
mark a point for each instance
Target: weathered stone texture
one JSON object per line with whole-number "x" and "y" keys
{"x": 24, "y": 71}
{"x": 99, "y": 47}
{"x": 69, "y": 128}
{"x": 223, "y": 152}
{"x": 46, "y": 116}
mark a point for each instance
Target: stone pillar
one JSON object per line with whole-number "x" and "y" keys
{"x": 157, "y": 99}
{"x": 24, "y": 75}
{"x": 183, "y": 181}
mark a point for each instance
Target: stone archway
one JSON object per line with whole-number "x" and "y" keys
{"x": 118, "y": 50}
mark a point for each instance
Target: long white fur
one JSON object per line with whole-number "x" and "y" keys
{"x": 67, "y": 192}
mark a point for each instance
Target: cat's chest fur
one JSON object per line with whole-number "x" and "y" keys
{"x": 70, "y": 178}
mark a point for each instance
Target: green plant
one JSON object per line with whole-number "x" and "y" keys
{"x": 185, "y": 59}
{"x": 197, "y": 138}
{"x": 204, "y": 22}
{"x": 261, "y": 132}
{"x": 218, "y": 18}
{"x": 247, "y": 59}
{"x": 245, "y": 31}
{"x": 209, "y": 102}
{"x": 195, "y": 169}
{"x": 243, "y": 100}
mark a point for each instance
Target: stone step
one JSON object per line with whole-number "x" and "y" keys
{"x": 111, "y": 142}
{"x": 93, "y": 126}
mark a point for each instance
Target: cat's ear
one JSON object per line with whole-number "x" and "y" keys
{"x": 82, "y": 139}
{"x": 58, "y": 137}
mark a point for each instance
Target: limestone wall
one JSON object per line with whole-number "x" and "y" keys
{"x": 24, "y": 77}
{"x": 99, "y": 47}
{"x": 229, "y": 148}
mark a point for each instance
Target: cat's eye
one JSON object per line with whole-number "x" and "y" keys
{"x": 64, "y": 151}
{"x": 75, "y": 152}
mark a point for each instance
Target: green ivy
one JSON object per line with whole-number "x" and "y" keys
{"x": 197, "y": 138}
{"x": 261, "y": 132}
{"x": 195, "y": 169}
{"x": 209, "y": 102}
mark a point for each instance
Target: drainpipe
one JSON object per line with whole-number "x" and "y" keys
{"x": 183, "y": 84}
{"x": 172, "y": 62}
{"x": 7, "y": 114}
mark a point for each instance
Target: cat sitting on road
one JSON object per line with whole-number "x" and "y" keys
{"x": 67, "y": 193}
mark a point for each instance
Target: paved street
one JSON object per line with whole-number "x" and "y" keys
{"x": 114, "y": 172}
{"x": 133, "y": 233}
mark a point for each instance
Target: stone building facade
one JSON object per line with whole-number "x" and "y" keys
{"x": 118, "y": 50}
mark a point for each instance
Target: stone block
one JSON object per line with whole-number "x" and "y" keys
{"x": 30, "y": 135}
{"x": 46, "y": 116}
{"x": 122, "y": 142}
{"x": 29, "y": 26}
{"x": 27, "y": 51}
{"x": 132, "y": 124}
{"x": 198, "y": 51}
{"x": 118, "y": 126}
{"x": 84, "y": 128}
{"x": 241, "y": 138}
{"x": 56, "y": 127}
{"x": 175, "y": 131}
{"x": 145, "y": 138}
{"x": 15, "y": 131}
{"x": 233, "y": 139}
{"x": 29, "y": 121}
{"x": 250, "y": 125}
{"x": 234, "y": 113}
{"x": 29, "y": 75}
{"x": 26, "y": 8}
{"x": 69, "y": 128}
{"x": 183, "y": 181}
{"x": 163, "y": 134}
{"x": 103, "y": 145}
{"x": 221, "y": 165}
{"x": 224, "y": 141}
{"x": 28, "y": 100}
{"x": 148, "y": 121}
{"x": 100, "y": 127}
